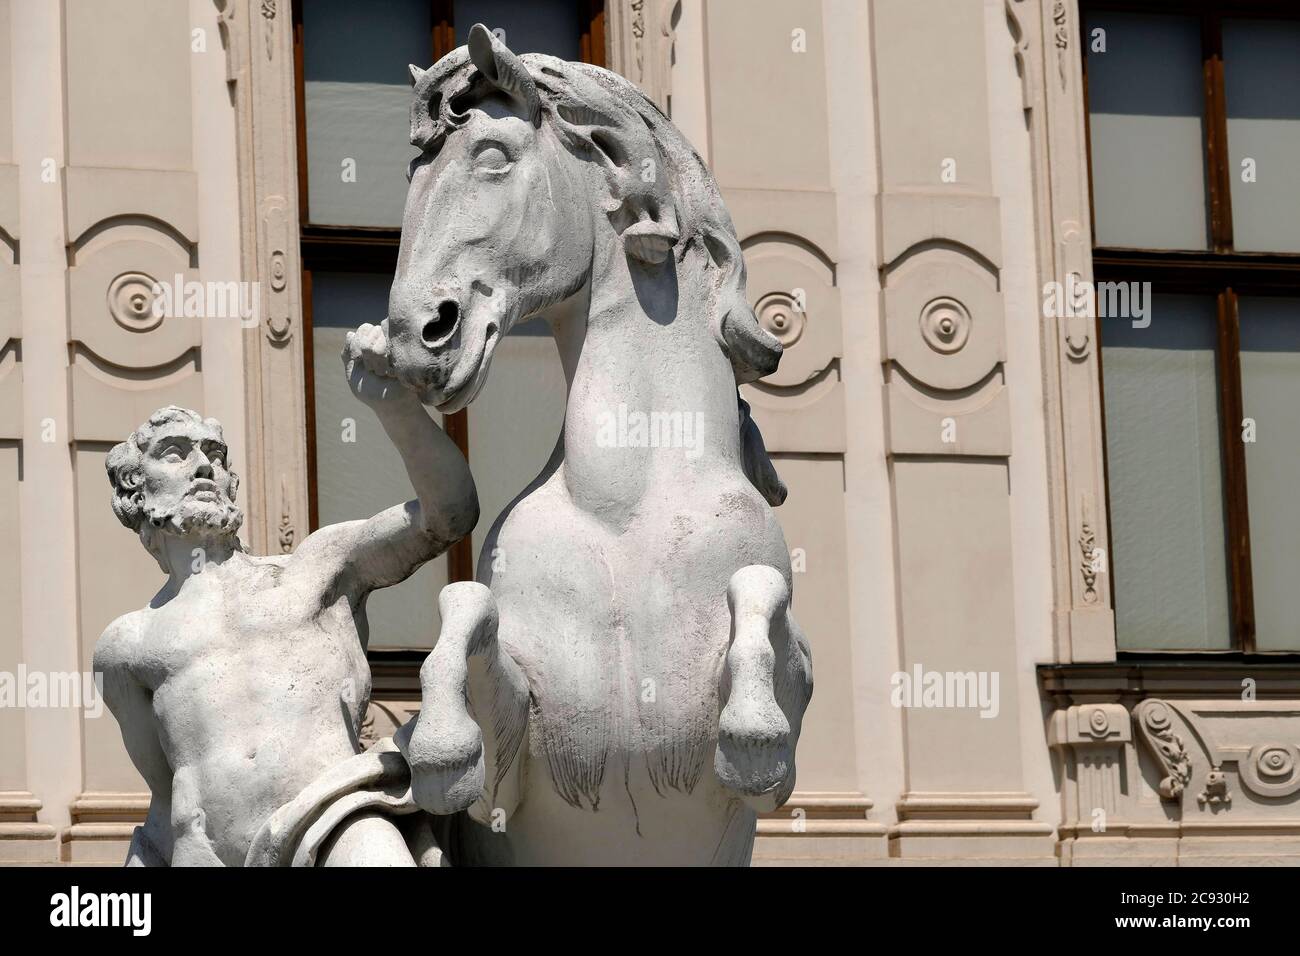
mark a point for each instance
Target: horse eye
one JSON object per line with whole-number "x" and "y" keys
{"x": 491, "y": 158}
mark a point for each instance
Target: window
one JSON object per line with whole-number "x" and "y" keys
{"x": 353, "y": 101}
{"x": 1194, "y": 146}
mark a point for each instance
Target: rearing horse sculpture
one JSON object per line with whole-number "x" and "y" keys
{"x": 627, "y": 683}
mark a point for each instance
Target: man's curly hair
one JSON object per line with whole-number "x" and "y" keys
{"x": 125, "y": 460}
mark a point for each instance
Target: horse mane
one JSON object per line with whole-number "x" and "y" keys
{"x": 662, "y": 197}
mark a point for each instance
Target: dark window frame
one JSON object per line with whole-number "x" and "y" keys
{"x": 1220, "y": 271}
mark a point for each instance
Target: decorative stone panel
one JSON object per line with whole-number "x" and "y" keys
{"x": 257, "y": 37}
{"x": 1171, "y": 764}
{"x": 639, "y": 40}
{"x": 131, "y": 220}
{"x": 1046, "y": 46}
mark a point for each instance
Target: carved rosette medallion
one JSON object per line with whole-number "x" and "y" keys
{"x": 779, "y": 314}
{"x": 1098, "y": 723}
{"x": 1272, "y": 770}
{"x": 945, "y": 325}
{"x": 131, "y": 302}
{"x": 1155, "y": 725}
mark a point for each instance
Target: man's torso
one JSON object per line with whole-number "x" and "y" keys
{"x": 257, "y": 686}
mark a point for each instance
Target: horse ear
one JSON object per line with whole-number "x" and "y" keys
{"x": 503, "y": 69}
{"x": 417, "y": 74}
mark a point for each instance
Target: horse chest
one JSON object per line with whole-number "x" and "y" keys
{"x": 622, "y": 649}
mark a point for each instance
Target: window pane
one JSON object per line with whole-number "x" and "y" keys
{"x": 515, "y": 421}
{"x": 359, "y": 478}
{"x": 358, "y": 99}
{"x": 1146, "y": 109}
{"x": 1270, "y": 383}
{"x": 1261, "y": 76}
{"x": 1165, "y": 478}
{"x": 531, "y": 26}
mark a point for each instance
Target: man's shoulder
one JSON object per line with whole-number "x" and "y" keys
{"x": 126, "y": 627}
{"x": 331, "y": 543}
{"x": 257, "y": 562}
{"x": 117, "y": 644}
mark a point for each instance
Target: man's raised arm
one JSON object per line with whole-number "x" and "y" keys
{"x": 386, "y": 549}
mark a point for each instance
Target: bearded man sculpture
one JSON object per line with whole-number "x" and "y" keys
{"x": 240, "y": 687}
{"x": 626, "y": 685}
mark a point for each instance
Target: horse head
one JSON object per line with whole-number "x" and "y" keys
{"x": 530, "y": 168}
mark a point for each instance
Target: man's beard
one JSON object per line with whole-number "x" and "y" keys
{"x": 191, "y": 517}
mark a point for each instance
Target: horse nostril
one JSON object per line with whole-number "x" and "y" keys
{"x": 435, "y": 329}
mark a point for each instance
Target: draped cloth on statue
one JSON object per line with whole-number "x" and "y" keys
{"x": 375, "y": 781}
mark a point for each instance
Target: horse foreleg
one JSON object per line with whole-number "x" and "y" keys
{"x": 464, "y": 745}
{"x": 765, "y": 688}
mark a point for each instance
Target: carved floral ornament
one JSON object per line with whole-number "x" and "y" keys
{"x": 1061, "y": 20}
{"x": 268, "y": 14}
{"x": 1270, "y": 769}
{"x": 1087, "y": 565}
{"x": 285, "y": 530}
{"x": 1090, "y": 558}
{"x": 1155, "y": 725}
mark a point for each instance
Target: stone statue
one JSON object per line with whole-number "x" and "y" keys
{"x": 240, "y": 687}
{"x": 627, "y": 684}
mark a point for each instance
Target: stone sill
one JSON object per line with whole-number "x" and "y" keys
{"x": 1203, "y": 676}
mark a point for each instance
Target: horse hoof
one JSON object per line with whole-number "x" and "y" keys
{"x": 447, "y": 770}
{"x": 754, "y": 755}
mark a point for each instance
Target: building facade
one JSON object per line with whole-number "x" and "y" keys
{"x": 1036, "y": 270}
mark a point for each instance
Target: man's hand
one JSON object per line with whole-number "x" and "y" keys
{"x": 386, "y": 549}
{"x": 365, "y": 361}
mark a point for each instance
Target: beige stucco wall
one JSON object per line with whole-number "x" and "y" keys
{"x": 953, "y": 555}
{"x": 124, "y": 164}
{"x": 1012, "y": 169}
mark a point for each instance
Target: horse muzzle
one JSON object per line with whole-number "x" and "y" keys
{"x": 439, "y": 328}
{"x": 470, "y": 372}
{"x": 441, "y": 356}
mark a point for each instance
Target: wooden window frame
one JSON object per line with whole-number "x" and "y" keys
{"x": 1220, "y": 271}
